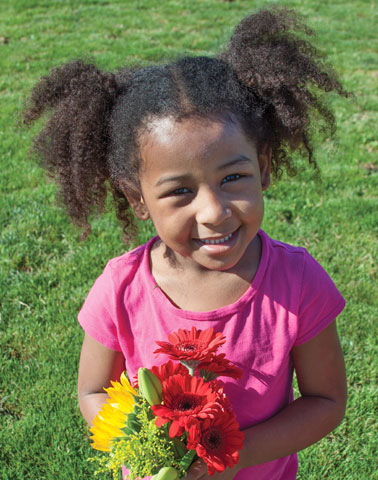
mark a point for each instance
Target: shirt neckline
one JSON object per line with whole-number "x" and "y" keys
{"x": 211, "y": 314}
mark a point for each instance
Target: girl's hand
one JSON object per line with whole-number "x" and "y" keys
{"x": 198, "y": 471}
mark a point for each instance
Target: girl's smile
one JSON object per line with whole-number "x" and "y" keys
{"x": 202, "y": 183}
{"x": 218, "y": 244}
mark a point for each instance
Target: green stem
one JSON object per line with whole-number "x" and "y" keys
{"x": 191, "y": 365}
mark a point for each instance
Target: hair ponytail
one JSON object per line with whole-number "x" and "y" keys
{"x": 270, "y": 77}
{"x": 74, "y": 142}
{"x": 281, "y": 69}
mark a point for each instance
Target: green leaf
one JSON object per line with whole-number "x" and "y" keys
{"x": 132, "y": 423}
{"x": 187, "y": 459}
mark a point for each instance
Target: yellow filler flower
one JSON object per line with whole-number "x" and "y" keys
{"x": 110, "y": 420}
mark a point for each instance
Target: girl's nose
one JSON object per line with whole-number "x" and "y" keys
{"x": 212, "y": 209}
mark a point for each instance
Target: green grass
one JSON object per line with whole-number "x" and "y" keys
{"x": 46, "y": 272}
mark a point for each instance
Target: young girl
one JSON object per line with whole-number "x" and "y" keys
{"x": 192, "y": 145}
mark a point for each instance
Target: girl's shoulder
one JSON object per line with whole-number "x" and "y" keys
{"x": 293, "y": 267}
{"x": 280, "y": 247}
{"x": 125, "y": 272}
{"x": 127, "y": 263}
{"x": 288, "y": 259}
{"x": 129, "y": 269}
{"x": 297, "y": 283}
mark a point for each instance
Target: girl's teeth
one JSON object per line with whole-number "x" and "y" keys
{"x": 220, "y": 240}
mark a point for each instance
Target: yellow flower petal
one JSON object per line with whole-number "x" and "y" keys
{"x": 110, "y": 420}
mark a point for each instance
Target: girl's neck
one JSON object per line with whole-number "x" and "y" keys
{"x": 199, "y": 289}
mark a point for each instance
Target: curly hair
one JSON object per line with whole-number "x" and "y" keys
{"x": 270, "y": 77}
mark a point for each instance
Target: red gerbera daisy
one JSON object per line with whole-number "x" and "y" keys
{"x": 219, "y": 366}
{"x": 216, "y": 440}
{"x": 167, "y": 370}
{"x": 222, "y": 399}
{"x": 164, "y": 371}
{"x": 197, "y": 345}
{"x": 184, "y": 397}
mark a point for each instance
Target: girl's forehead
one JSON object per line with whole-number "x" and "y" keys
{"x": 168, "y": 132}
{"x": 169, "y": 145}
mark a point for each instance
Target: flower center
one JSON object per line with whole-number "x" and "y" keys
{"x": 187, "y": 347}
{"x": 186, "y": 402}
{"x": 212, "y": 440}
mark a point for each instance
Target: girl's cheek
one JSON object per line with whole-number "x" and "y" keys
{"x": 249, "y": 205}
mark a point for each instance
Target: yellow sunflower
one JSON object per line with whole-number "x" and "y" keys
{"x": 110, "y": 420}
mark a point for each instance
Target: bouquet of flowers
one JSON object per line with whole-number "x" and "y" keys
{"x": 173, "y": 414}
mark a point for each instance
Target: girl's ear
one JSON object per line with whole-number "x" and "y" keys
{"x": 136, "y": 200}
{"x": 265, "y": 162}
{"x": 139, "y": 207}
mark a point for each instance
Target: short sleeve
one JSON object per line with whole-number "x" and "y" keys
{"x": 97, "y": 315}
{"x": 320, "y": 301}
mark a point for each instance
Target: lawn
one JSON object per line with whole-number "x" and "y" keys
{"x": 46, "y": 271}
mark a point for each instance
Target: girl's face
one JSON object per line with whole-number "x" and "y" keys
{"x": 202, "y": 183}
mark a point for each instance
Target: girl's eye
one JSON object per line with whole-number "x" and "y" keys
{"x": 231, "y": 178}
{"x": 180, "y": 191}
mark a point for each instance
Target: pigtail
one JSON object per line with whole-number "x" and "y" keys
{"x": 73, "y": 144}
{"x": 273, "y": 59}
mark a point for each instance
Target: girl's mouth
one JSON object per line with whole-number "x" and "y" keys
{"x": 217, "y": 241}
{"x": 220, "y": 243}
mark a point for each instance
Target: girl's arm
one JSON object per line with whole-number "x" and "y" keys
{"x": 319, "y": 366}
{"x": 98, "y": 365}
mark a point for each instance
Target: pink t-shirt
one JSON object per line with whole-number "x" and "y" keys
{"x": 291, "y": 299}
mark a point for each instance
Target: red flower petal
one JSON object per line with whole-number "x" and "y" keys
{"x": 164, "y": 371}
{"x": 185, "y": 397}
{"x": 167, "y": 370}
{"x": 216, "y": 440}
{"x": 191, "y": 344}
{"x": 220, "y": 366}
